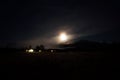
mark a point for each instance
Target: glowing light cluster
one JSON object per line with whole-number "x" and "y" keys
{"x": 30, "y": 50}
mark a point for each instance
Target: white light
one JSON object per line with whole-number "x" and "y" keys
{"x": 63, "y": 37}
{"x": 40, "y": 50}
{"x": 27, "y": 50}
{"x": 51, "y": 50}
{"x": 30, "y": 50}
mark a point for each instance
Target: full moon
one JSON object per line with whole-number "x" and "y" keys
{"x": 63, "y": 37}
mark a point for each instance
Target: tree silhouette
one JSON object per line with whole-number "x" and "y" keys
{"x": 30, "y": 47}
{"x": 37, "y": 48}
{"x": 41, "y": 47}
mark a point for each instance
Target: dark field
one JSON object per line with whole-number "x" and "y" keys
{"x": 56, "y": 65}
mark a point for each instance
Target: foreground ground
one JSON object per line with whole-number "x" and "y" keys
{"x": 58, "y": 65}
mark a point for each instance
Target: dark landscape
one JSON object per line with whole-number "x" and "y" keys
{"x": 60, "y": 64}
{"x": 59, "y": 39}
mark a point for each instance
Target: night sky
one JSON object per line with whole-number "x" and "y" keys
{"x": 25, "y": 23}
